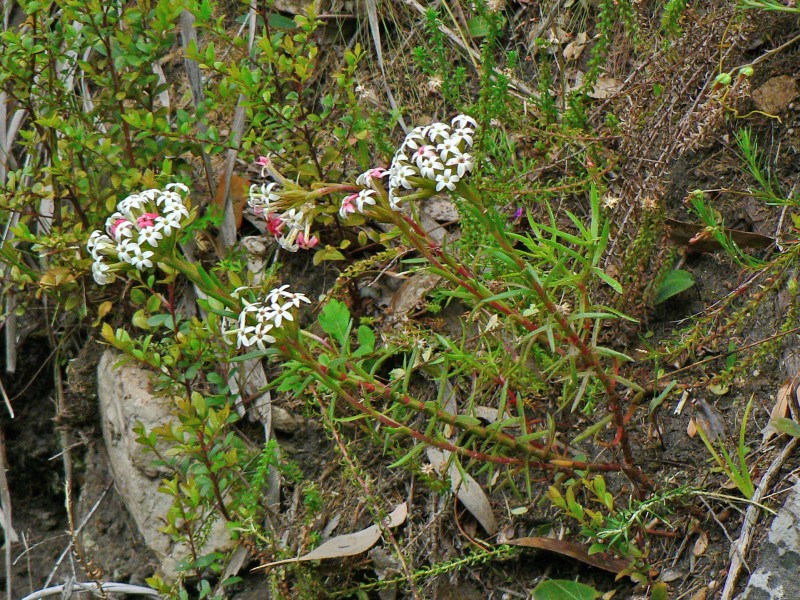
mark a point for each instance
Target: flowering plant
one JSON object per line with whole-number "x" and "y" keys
{"x": 142, "y": 230}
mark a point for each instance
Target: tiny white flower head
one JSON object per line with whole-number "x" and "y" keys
{"x": 133, "y": 202}
{"x": 275, "y": 295}
{"x": 260, "y": 336}
{"x": 141, "y": 259}
{"x": 449, "y": 147}
{"x": 365, "y": 199}
{"x": 465, "y": 135}
{"x": 101, "y": 272}
{"x": 447, "y": 180}
{"x": 463, "y": 164}
{"x": 151, "y": 236}
{"x": 462, "y": 121}
{"x": 281, "y": 313}
{"x": 438, "y": 132}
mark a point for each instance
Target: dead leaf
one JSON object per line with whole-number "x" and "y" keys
{"x": 700, "y": 594}
{"x": 779, "y": 411}
{"x": 694, "y": 237}
{"x": 240, "y": 192}
{"x": 709, "y": 420}
{"x": 411, "y": 294}
{"x": 700, "y": 545}
{"x": 601, "y": 560}
{"x": 349, "y": 544}
{"x": 691, "y": 429}
{"x": 575, "y": 48}
{"x": 467, "y": 490}
{"x": 605, "y": 87}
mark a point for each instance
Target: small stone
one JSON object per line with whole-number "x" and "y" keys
{"x": 775, "y": 95}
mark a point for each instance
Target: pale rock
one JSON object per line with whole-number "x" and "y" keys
{"x": 125, "y": 398}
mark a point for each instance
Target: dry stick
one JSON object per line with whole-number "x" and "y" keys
{"x": 188, "y": 35}
{"x": 113, "y": 588}
{"x": 750, "y": 518}
{"x": 5, "y": 501}
{"x": 374, "y": 28}
{"x": 227, "y": 230}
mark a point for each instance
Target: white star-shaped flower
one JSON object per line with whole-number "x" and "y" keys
{"x": 448, "y": 180}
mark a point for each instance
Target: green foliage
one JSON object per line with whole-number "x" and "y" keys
{"x": 560, "y": 589}
{"x": 672, "y": 284}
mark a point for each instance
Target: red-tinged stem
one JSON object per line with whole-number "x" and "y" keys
{"x": 546, "y": 460}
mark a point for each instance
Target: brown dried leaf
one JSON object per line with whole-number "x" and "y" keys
{"x": 605, "y": 87}
{"x": 411, "y": 293}
{"x": 350, "y": 544}
{"x": 692, "y": 236}
{"x": 779, "y": 411}
{"x": 700, "y": 545}
{"x": 575, "y": 48}
{"x": 467, "y": 490}
{"x": 691, "y": 429}
{"x": 709, "y": 420}
{"x": 601, "y": 560}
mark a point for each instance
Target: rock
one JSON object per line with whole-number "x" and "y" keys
{"x": 125, "y": 399}
{"x": 775, "y": 575}
{"x": 775, "y": 94}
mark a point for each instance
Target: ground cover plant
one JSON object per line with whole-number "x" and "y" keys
{"x": 528, "y": 284}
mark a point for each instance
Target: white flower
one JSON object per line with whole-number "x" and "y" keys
{"x": 132, "y": 202}
{"x": 289, "y": 241}
{"x": 424, "y": 152}
{"x": 463, "y": 164}
{"x": 465, "y": 135}
{"x": 428, "y": 167}
{"x": 296, "y": 298}
{"x": 141, "y": 258}
{"x": 365, "y": 199}
{"x": 151, "y": 236}
{"x": 414, "y": 140}
{"x": 449, "y": 146}
{"x": 125, "y": 250}
{"x": 281, "y": 312}
{"x": 368, "y": 178}
{"x": 277, "y": 293}
{"x": 461, "y": 121}
{"x": 404, "y": 173}
{"x": 293, "y": 218}
{"x": 261, "y": 337}
{"x": 168, "y": 224}
{"x": 99, "y": 244}
{"x": 177, "y": 210}
{"x": 178, "y": 186}
{"x": 100, "y": 272}
{"x": 438, "y": 132}
{"x": 446, "y": 180}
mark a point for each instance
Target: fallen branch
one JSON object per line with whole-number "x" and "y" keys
{"x": 750, "y": 518}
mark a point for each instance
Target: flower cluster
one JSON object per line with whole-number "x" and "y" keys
{"x": 438, "y": 153}
{"x": 290, "y": 228}
{"x": 139, "y": 232}
{"x": 258, "y": 320}
{"x": 367, "y": 197}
